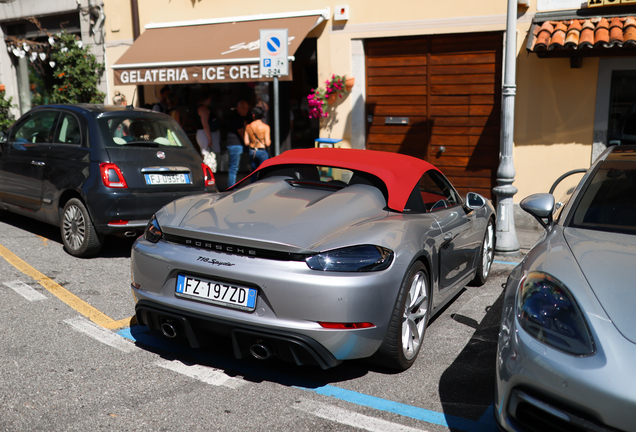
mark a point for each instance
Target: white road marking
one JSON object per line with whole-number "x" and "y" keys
{"x": 25, "y": 291}
{"x": 101, "y": 334}
{"x": 206, "y": 374}
{"x": 350, "y": 418}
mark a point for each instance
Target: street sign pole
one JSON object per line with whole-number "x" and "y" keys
{"x": 274, "y": 62}
{"x": 276, "y": 119}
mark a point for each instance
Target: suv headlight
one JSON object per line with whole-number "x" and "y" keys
{"x": 153, "y": 231}
{"x": 549, "y": 313}
{"x": 364, "y": 258}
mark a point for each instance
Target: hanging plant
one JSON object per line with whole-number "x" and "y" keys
{"x": 318, "y": 98}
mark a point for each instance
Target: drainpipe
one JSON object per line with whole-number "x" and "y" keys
{"x": 507, "y": 242}
{"x": 134, "y": 7}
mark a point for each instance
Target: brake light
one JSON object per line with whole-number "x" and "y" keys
{"x": 118, "y": 222}
{"x": 346, "y": 326}
{"x": 208, "y": 176}
{"x": 112, "y": 176}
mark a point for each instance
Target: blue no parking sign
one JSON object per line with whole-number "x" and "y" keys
{"x": 274, "y": 59}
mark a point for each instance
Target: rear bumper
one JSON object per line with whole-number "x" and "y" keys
{"x": 287, "y": 346}
{"x": 134, "y": 207}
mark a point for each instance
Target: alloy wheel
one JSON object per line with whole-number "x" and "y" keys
{"x": 415, "y": 315}
{"x": 488, "y": 251}
{"x": 74, "y": 227}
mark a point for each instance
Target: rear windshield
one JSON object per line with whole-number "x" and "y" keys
{"x": 318, "y": 176}
{"x": 609, "y": 202}
{"x": 128, "y": 131}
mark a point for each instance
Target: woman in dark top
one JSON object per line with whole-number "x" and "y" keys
{"x": 257, "y": 138}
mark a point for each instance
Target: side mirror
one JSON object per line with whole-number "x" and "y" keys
{"x": 540, "y": 206}
{"x": 474, "y": 201}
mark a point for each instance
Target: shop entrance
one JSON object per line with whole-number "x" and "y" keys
{"x": 297, "y": 130}
{"x": 438, "y": 98}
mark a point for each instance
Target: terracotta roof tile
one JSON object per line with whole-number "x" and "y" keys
{"x": 573, "y": 35}
{"x": 587, "y": 35}
{"x": 616, "y": 32}
{"x": 629, "y": 32}
{"x": 558, "y": 36}
{"x": 597, "y": 33}
{"x": 543, "y": 38}
{"x": 601, "y": 34}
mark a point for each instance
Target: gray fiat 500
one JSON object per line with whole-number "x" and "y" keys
{"x": 95, "y": 170}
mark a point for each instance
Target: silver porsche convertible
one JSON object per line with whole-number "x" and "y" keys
{"x": 318, "y": 256}
{"x": 567, "y": 341}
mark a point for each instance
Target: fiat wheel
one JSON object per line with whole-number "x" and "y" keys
{"x": 78, "y": 232}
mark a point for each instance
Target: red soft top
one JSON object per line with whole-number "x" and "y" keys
{"x": 400, "y": 173}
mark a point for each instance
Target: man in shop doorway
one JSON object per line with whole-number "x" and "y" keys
{"x": 236, "y": 121}
{"x": 162, "y": 105}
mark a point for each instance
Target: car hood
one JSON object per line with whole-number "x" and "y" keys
{"x": 608, "y": 261}
{"x": 272, "y": 211}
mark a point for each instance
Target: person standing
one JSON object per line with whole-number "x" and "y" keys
{"x": 257, "y": 137}
{"x": 208, "y": 135}
{"x": 162, "y": 105}
{"x": 173, "y": 112}
{"x": 119, "y": 99}
{"x": 236, "y": 121}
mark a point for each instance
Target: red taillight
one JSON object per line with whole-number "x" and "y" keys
{"x": 112, "y": 176}
{"x": 346, "y": 326}
{"x": 208, "y": 176}
{"x": 118, "y": 222}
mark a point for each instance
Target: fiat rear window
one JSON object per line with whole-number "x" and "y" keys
{"x": 129, "y": 131}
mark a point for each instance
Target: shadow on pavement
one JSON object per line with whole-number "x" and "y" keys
{"x": 470, "y": 379}
{"x": 219, "y": 355}
{"x": 114, "y": 247}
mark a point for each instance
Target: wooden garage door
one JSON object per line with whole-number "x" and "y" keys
{"x": 449, "y": 89}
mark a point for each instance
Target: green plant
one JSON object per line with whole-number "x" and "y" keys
{"x": 319, "y": 97}
{"x": 6, "y": 119}
{"x": 75, "y": 70}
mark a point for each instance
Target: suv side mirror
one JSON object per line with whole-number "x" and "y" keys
{"x": 474, "y": 201}
{"x": 540, "y": 206}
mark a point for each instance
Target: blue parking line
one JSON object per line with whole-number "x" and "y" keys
{"x": 506, "y": 262}
{"x": 485, "y": 424}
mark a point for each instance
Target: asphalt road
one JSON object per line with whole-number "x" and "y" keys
{"x": 61, "y": 371}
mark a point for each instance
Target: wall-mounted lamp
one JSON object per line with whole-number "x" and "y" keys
{"x": 523, "y": 3}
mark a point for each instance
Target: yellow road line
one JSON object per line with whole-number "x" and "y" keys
{"x": 63, "y": 294}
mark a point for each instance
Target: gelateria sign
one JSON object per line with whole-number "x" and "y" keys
{"x": 192, "y": 75}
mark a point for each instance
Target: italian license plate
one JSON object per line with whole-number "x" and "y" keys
{"x": 216, "y": 292}
{"x": 167, "y": 179}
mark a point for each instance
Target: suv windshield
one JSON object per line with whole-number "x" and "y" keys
{"x": 609, "y": 202}
{"x": 130, "y": 131}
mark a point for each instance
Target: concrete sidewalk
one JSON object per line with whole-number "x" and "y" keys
{"x": 527, "y": 239}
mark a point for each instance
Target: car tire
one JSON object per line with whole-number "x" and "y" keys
{"x": 409, "y": 319}
{"x": 486, "y": 256}
{"x": 78, "y": 232}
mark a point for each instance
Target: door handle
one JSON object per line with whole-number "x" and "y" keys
{"x": 37, "y": 163}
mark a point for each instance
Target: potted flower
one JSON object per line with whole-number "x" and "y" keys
{"x": 334, "y": 87}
